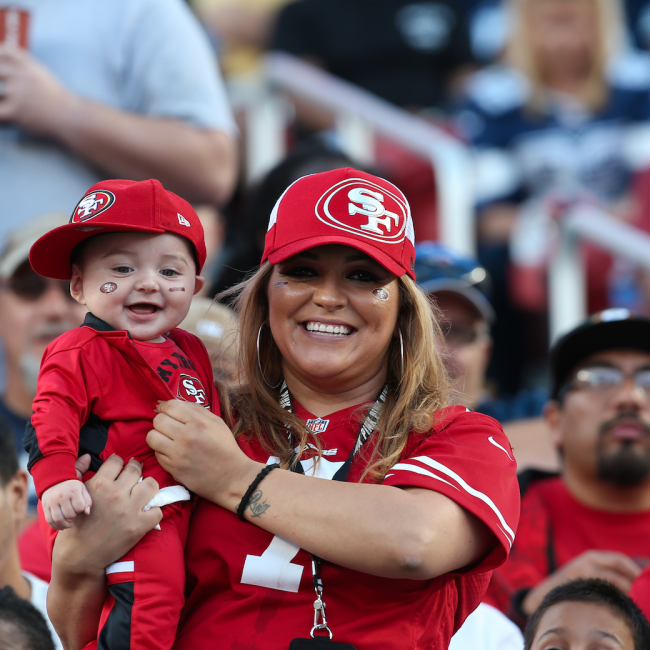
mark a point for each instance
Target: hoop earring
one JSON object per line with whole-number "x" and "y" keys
{"x": 401, "y": 350}
{"x": 259, "y": 363}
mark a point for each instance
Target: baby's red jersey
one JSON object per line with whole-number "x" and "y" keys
{"x": 97, "y": 393}
{"x": 249, "y": 589}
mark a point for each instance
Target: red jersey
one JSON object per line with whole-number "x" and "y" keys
{"x": 554, "y": 529}
{"x": 97, "y": 393}
{"x": 250, "y": 590}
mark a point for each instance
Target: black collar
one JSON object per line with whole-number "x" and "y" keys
{"x": 97, "y": 323}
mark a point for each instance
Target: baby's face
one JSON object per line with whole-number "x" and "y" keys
{"x": 139, "y": 282}
{"x": 582, "y": 626}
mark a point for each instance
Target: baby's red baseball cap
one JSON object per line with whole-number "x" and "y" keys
{"x": 344, "y": 206}
{"x": 117, "y": 206}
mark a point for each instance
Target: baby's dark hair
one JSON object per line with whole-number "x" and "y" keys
{"x": 601, "y": 592}
{"x": 22, "y": 624}
{"x": 8, "y": 454}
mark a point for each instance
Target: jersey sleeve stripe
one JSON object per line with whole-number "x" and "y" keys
{"x": 407, "y": 465}
{"x": 420, "y": 470}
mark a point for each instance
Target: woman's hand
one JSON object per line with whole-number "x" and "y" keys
{"x": 198, "y": 450}
{"x": 81, "y": 553}
{"x": 116, "y": 522}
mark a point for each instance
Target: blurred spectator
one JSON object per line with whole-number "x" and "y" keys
{"x": 593, "y": 520}
{"x": 563, "y": 120}
{"x": 33, "y": 312}
{"x": 488, "y": 28}
{"x": 21, "y": 625}
{"x": 459, "y": 286}
{"x": 216, "y": 326}
{"x": 587, "y": 613}
{"x": 115, "y": 88}
{"x": 241, "y": 28}
{"x": 13, "y": 503}
{"x": 403, "y": 51}
{"x": 215, "y": 232}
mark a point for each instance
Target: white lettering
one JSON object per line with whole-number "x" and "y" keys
{"x": 373, "y": 208}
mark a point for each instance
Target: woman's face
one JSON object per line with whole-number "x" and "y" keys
{"x": 332, "y": 331}
{"x": 582, "y": 626}
{"x": 562, "y": 34}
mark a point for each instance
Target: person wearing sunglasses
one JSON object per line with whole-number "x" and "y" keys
{"x": 33, "y": 312}
{"x": 593, "y": 519}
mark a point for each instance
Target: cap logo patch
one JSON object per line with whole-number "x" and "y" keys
{"x": 364, "y": 208}
{"x": 182, "y": 220}
{"x": 92, "y": 204}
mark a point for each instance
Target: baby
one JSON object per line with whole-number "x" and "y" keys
{"x": 133, "y": 253}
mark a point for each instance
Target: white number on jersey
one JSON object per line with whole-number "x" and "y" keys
{"x": 274, "y": 569}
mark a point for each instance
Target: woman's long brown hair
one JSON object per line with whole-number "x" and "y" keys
{"x": 414, "y": 393}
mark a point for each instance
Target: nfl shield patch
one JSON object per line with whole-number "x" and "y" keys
{"x": 317, "y": 425}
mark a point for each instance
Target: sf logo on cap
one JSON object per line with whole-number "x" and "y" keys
{"x": 366, "y": 209}
{"x": 92, "y": 204}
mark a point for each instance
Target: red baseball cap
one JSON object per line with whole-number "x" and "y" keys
{"x": 344, "y": 206}
{"x": 117, "y": 206}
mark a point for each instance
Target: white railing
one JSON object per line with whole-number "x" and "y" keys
{"x": 567, "y": 282}
{"x": 358, "y": 116}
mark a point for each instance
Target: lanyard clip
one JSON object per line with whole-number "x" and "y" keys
{"x": 320, "y": 618}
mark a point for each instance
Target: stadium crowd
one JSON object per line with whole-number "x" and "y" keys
{"x": 489, "y": 472}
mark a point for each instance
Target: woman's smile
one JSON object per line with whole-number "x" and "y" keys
{"x": 324, "y": 317}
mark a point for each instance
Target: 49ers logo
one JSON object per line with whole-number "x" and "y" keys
{"x": 191, "y": 389}
{"x": 364, "y": 208}
{"x": 92, "y": 204}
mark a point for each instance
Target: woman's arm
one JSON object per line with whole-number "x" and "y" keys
{"x": 411, "y": 533}
{"x": 81, "y": 553}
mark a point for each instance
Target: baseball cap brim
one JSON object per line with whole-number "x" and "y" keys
{"x": 294, "y": 248}
{"x": 50, "y": 255}
{"x": 630, "y": 333}
{"x": 474, "y": 296}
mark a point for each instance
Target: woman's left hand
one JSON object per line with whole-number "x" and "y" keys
{"x": 198, "y": 449}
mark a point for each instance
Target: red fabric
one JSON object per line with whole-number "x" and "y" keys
{"x": 640, "y": 591}
{"x": 117, "y": 206}
{"x": 343, "y": 206}
{"x": 33, "y": 553}
{"x": 157, "y": 602}
{"x": 551, "y": 517}
{"x": 87, "y": 372}
{"x": 226, "y": 559}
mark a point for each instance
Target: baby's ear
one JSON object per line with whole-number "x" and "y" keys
{"x": 76, "y": 285}
{"x": 199, "y": 283}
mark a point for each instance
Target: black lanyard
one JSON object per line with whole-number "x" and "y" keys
{"x": 368, "y": 425}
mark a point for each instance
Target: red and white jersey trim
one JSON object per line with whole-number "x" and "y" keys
{"x": 410, "y": 466}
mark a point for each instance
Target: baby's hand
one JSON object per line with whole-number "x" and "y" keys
{"x": 63, "y": 502}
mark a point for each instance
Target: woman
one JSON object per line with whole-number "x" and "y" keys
{"x": 342, "y": 381}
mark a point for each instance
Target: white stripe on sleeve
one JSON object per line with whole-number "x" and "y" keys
{"x": 410, "y": 467}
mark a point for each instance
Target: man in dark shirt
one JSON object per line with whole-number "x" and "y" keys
{"x": 404, "y": 51}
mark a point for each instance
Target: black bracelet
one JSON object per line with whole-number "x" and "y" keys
{"x": 243, "y": 504}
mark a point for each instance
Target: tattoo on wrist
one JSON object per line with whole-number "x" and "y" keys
{"x": 256, "y": 505}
